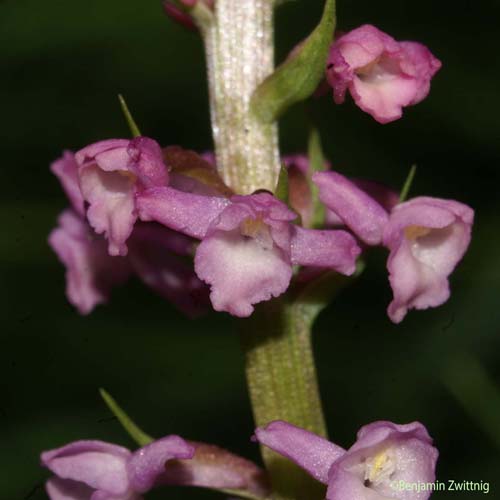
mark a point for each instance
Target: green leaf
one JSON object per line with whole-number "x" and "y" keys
{"x": 408, "y": 182}
{"x": 282, "y": 188}
{"x": 134, "y": 129}
{"x": 298, "y": 77}
{"x": 316, "y": 164}
{"x": 135, "y": 433}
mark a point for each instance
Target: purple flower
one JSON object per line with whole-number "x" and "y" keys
{"x": 90, "y": 271}
{"x": 426, "y": 238}
{"x": 110, "y": 174}
{"x": 381, "y": 74}
{"x": 248, "y": 243}
{"x": 385, "y": 458}
{"x": 245, "y": 254}
{"x": 97, "y": 470}
{"x": 155, "y": 256}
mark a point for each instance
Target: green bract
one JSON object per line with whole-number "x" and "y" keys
{"x": 298, "y": 77}
{"x": 134, "y": 129}
{"x": 140, "y": 437}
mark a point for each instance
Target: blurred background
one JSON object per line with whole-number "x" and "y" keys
{"x": 62, "y": 65}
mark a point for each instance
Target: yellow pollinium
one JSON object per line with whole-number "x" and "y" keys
{"x": 379, "y": 467}
{"x": 414, "y": 232}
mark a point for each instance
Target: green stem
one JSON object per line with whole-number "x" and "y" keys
{"x": 282, "y": 382}
{"x": 239, "y": 49}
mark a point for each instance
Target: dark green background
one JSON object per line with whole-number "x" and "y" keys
{"x": 62, "y": 65}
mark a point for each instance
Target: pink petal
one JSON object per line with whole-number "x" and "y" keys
{"x": 65, "y": 169}
{"x": 359, "y": 211}
{"x": 333, "y": 249}
{"x": 86, "y": 156}
{"x": 188, "y": 213}
{"x": 90, "y": 271}
{"x": 376, "y": 432}
{"x": 146, "y": 161}
{"x": 309, "y": 451}
{"x": 384, "y": 97}
{"x": 362, "y": 46}
{"x": 241, "y": 271}
{"x": 147, "y": 464}
{"x": 426, "y": 66}
{"x": 112, "y": 205}
{"x": 66, "y": 489}
{"x": 100, "y": 465}
{"x": 346, "y": 486}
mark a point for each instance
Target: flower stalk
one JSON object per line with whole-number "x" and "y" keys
{"x": 282, "y": 383}
{"x": 239, "y": 49}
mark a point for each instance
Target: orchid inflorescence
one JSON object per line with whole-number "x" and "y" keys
{"x": 248, "y": 243}
{"x": 169, "y": 216}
